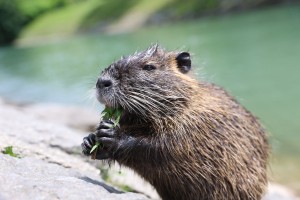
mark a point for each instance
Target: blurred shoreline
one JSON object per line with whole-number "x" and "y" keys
{"x": 63, "y": 19}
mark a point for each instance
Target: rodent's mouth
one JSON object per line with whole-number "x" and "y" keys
{"x": 108, "y": 99}
{"x": 99, "y": 97}
{"x": 114, "y": 107}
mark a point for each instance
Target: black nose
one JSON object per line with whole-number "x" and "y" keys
{"x": 103, "y": 83}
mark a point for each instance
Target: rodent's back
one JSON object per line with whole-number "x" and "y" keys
{"x": 195, "y": 141}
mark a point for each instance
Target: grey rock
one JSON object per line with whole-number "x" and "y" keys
{"x": 76, "y": 117}
{"x": 120, "y": 175}
{"x": 46, "y": 169}
{"x": 279, "y": 192}
{"x": 30, "y": 178}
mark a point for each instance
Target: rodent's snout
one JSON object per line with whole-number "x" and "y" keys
{"x": 103, "y": 83}
{"x": 105, "y": 91}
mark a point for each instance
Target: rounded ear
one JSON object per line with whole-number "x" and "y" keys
{"x": 184, "y": 62}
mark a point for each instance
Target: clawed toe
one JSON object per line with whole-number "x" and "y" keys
{"x": 88, "y": 143}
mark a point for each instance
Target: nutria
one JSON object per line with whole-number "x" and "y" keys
{"x": 190, "y": 139}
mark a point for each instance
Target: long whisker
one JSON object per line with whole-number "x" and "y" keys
{"x": 151, "y": 102}
{"x": 138, "y": 100}
{"x": 145, "y": 102}
{"x": 165, "y": 98}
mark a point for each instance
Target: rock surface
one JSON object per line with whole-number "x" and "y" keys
{"x": 278, "y": 192}
{"x": 31, "y": 178}
{"x": 47, "y": 139}
{"x": 50, "y": 165}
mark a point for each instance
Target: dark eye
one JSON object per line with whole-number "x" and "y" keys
{"x": 149, "y": 67}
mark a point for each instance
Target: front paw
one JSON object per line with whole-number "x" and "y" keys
{"x": 106, "y": 136}
{"x": 88, "y": 143}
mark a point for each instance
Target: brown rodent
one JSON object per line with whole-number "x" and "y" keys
{"x": 190, "y": 139}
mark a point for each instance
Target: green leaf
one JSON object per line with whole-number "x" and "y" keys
{"x": 118, "y": 112}
{"x": 116, "y": 123}
{"x": 105, "y": 115}
{"x": 117, "y": 116}
{"x": 95, "y": 147}
{"x": 108, "y": 113}
{"x": 9, "y": 151}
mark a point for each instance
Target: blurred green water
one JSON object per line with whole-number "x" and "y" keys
{"x": 256, "y": 56}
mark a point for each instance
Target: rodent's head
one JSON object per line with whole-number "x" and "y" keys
{"x": 149, "y": 83}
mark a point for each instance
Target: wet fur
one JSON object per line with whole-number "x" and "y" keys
{"x": 192, "y": 139}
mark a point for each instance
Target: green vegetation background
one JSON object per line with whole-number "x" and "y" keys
{"x": 65, "y": 17}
